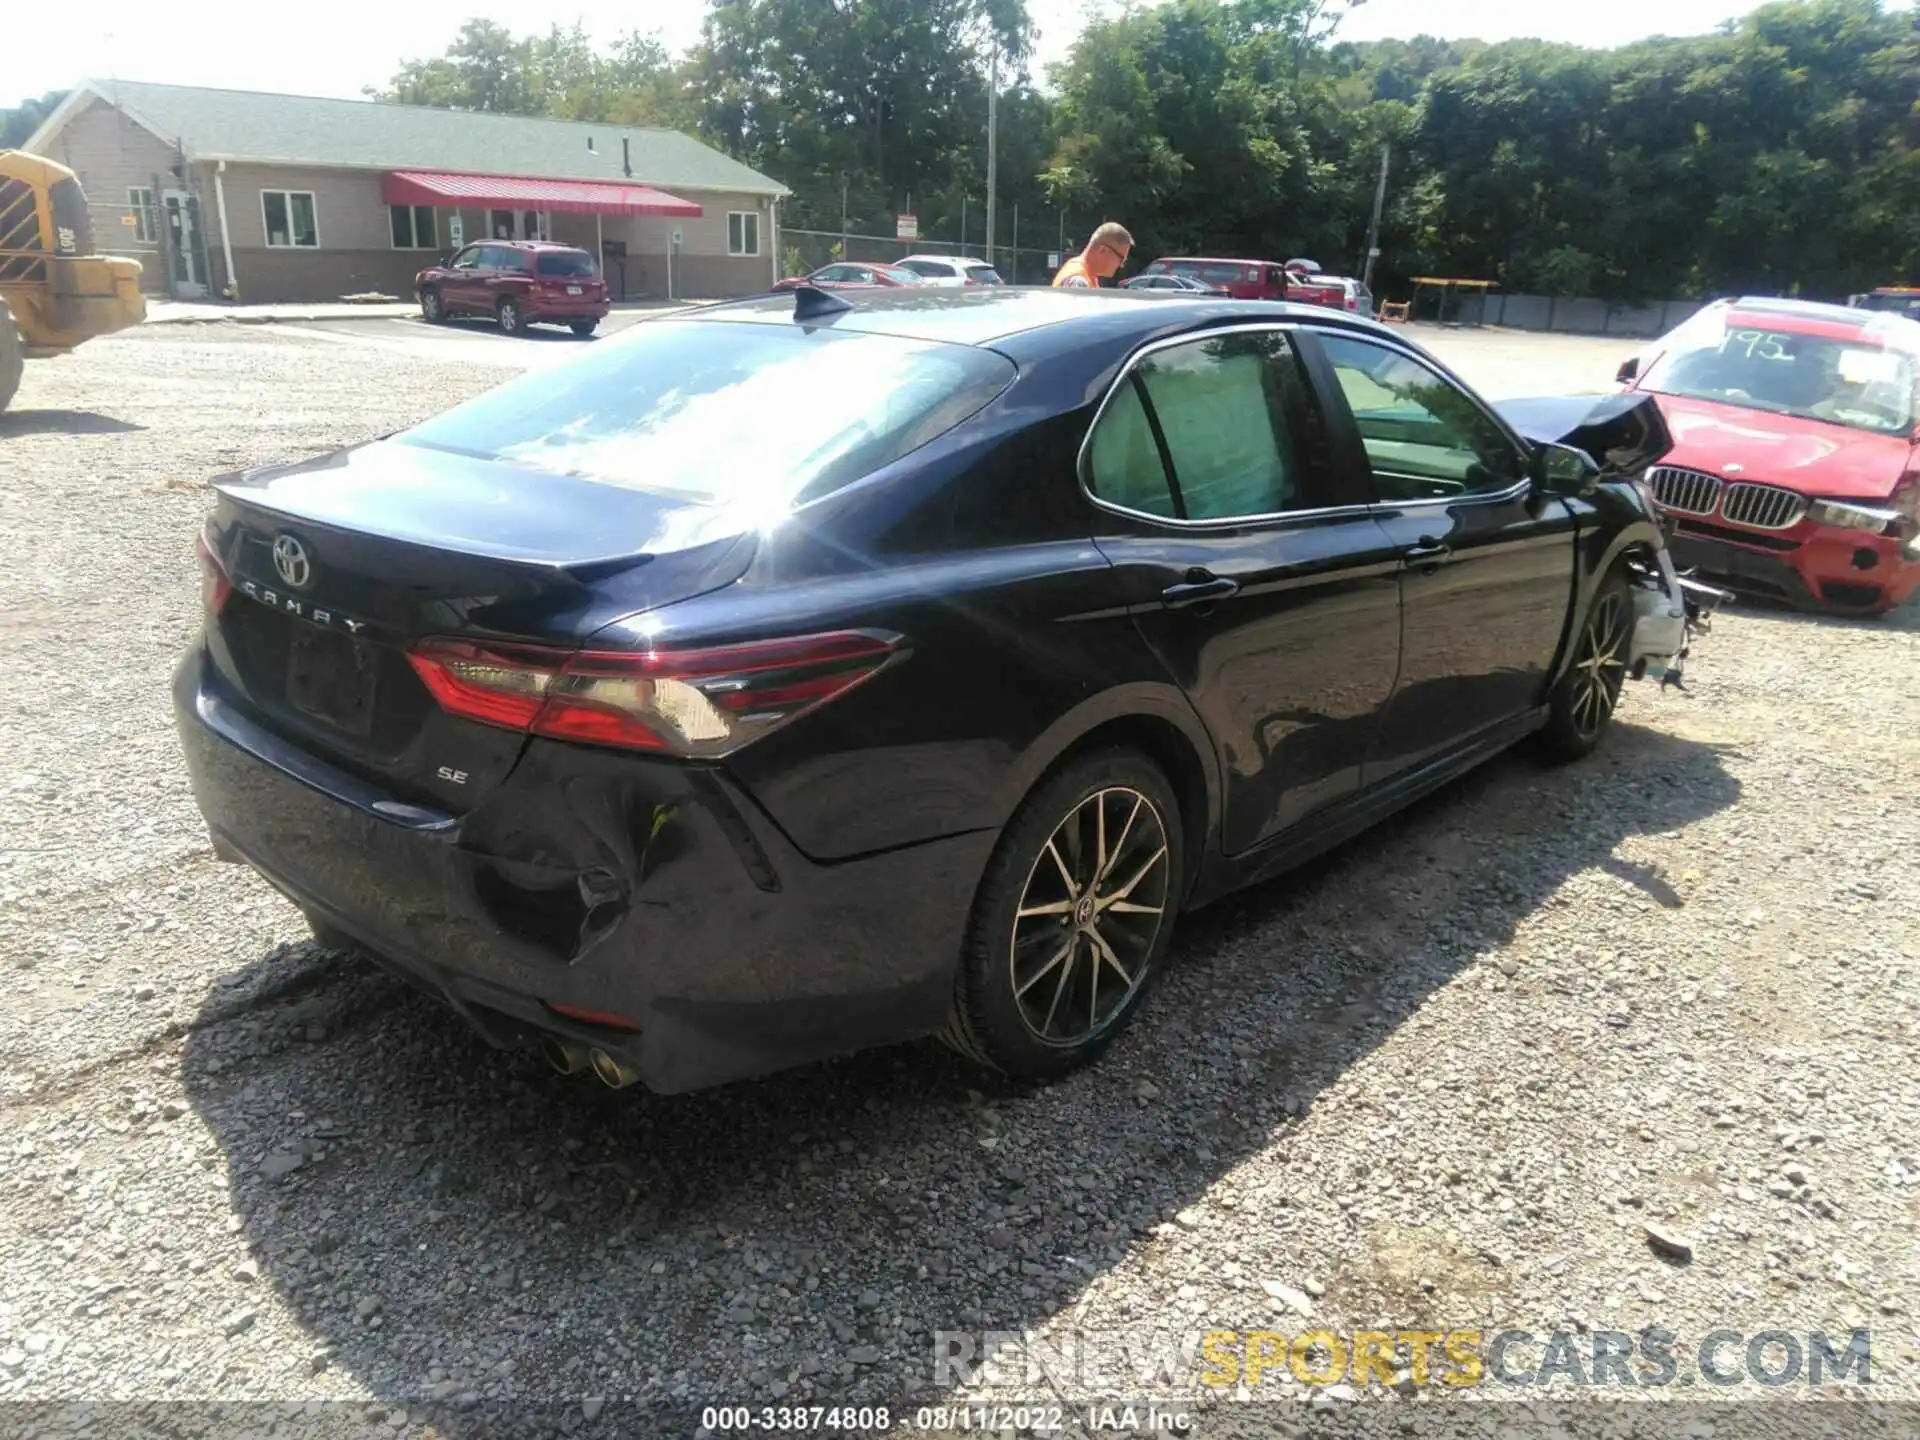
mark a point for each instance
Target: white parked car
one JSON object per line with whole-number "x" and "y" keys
{"x": 1359, "y": 299}
{"x": 951, "y": 270}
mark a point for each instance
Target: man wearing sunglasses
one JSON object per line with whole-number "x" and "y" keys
{"x": 1106, "y": 252}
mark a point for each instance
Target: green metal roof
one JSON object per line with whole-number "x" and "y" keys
{"x": 246, "y": 125}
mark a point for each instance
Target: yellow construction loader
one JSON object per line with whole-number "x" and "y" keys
{"x": 54, "y": 291}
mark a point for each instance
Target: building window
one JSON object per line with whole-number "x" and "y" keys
{"x": 146, "y": 220}
{"x": 413, "y": 227}
{"x": 743, "y": 232}
{"x": 290, "y": 219}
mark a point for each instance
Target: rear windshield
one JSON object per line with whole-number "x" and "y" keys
{"x": 984, "y": 275}
{"x": 567, "y": 262}
{"x": 931, "y": 269}
{"x": 761, "y": 415}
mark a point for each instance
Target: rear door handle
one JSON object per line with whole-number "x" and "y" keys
{"x": 1199, "y": 588}
{"x": 1429, "y": 554}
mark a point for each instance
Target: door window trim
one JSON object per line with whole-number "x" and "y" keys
{"x": 1083, "y": 463}
{"x": 1390, "y": 343}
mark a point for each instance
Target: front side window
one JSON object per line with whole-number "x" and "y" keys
{"x": 659, "y": 409}
{"x": 1214, "y": 429}
{"x": 467, "y": 259}
{"x": 743, "y": 232}
{"x": 291, "y": 219}
{"x": 413, "y": 227}
{"x": 1425, "y": 437}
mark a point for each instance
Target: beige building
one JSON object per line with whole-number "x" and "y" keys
{"x": 287, "y": 197}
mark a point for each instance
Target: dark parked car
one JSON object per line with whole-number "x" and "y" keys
{"x": 1015, "y": 622}
{"x": 851, "y": 275}
{"x": 1242, "y": 279}
{"x": 1183, "y": 284}
{"x": 518, "y": 283}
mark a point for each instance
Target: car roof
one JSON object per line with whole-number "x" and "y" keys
{"x": 1813, "y": 317}
{"x": 981, "y": 317}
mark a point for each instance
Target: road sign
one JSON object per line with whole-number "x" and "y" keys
{"x": 129, "y": 220}
{"x": 906, "y": 227}
{"x": 456, "y": 231}
{"x": 1053, "y": 259}
{"x": 679, "y": 236}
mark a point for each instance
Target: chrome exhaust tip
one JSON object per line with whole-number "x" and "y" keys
{"x": 614, "y": 1073}
{"x": 564, "y": 1055}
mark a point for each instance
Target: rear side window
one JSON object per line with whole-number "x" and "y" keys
{"x": 984, "y": 275}
{"x": 566, "y": 262}
{"x": 928, "y": 269}
{"x": 756, "y": 416}
{"x": 1216, "y": 274}
{"x": 1214, "y": 429}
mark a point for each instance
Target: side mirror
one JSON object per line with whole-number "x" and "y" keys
{"x": 1564, "y": 469}
{"x": 1628, "y": 372}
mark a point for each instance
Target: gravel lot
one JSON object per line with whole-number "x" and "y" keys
{"x": 1446, "y": 1077}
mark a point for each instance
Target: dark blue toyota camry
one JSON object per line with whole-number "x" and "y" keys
{"x": 822, "y": 671}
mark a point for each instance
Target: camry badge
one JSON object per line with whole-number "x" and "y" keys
{"x": 290, "y": 559}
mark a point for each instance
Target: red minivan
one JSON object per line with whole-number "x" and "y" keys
{"x": 1242, "y": 279}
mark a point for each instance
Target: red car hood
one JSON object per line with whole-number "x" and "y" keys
{"x": 1805, "y": 455}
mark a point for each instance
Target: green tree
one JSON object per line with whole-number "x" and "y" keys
{"x": 18, "y": 124}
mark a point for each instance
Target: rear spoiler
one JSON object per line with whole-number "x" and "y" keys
{"x": 1625, "y": 433}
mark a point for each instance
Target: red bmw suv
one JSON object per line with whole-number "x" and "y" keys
{"x": 1795, "y": 470}
{"x": 518, "y": 283}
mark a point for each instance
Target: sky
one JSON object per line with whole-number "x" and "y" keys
{"x": 348, "y": 44}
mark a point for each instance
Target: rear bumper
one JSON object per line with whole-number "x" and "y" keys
{"x": 1841, "y": 570}
{"x": 591, "y": 879}
{"x": 565, "y": 308}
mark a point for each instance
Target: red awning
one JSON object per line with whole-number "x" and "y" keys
{"x": 569, "y": 197}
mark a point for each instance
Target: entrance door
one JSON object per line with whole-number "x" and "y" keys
{"x": 184, "y": 266}
{"x": 502, "y": 225}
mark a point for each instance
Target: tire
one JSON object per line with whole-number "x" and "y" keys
{"x": 1077, "y": 944}
{"x": 584, "y": 328}
{"x": 13, "y": 356}
{"x": 1582, "y": 704}
{"x": 512, "y": 322}
{"x": 431, "y": 309}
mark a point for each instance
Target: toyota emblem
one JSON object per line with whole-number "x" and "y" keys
{"x": 290, "y": 559}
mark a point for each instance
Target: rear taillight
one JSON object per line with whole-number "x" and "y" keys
{"x": 704, "y": 702}
{"x": 215, "y": 588}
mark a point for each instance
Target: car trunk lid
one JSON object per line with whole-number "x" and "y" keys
{"x": 338, "y": 567}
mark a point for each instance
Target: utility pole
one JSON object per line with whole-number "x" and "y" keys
{"x": 993, "y": 135}
{"x": 843, "y": 215}
{"x": 1373, "y": 229}
{"x": 1014, "y": 258}
{"x": 963, "y": 225}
